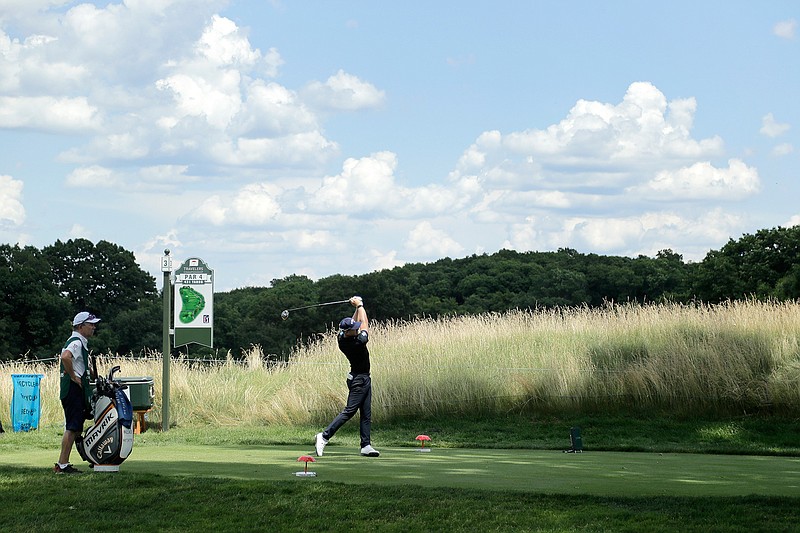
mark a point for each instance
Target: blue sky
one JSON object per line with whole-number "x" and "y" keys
{"x": 272, "y": 138}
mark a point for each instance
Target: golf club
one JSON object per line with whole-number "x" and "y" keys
{"x": 285, "y": 312}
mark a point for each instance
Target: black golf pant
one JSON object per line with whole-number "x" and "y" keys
{"x": 359, "y": 398}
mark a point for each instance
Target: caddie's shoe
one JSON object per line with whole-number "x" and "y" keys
{"x": 369, "y": 451}
{"x": 320, "y": 444}
{"x": 69, "y": 469}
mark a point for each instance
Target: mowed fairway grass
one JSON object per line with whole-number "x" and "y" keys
{"x": 169, "y": 484}
{"x": 596, "y": 473}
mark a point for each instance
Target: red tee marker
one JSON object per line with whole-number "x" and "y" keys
{"x": 422, "y": 439}
{"x": 306, "y": 459}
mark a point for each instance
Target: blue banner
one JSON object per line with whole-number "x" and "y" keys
{"x": 25, "y": 402}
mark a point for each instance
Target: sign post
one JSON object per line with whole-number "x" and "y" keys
{"x": 194, "y": 303}
{"x": 166, "y": 350}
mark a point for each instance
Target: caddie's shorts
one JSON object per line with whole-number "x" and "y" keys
{"x": 73, "y": 408}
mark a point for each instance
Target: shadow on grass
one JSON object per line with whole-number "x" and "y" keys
{"x": 36, "y": 500}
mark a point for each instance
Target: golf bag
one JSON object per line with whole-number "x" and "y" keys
{"x": 110, "y": 438}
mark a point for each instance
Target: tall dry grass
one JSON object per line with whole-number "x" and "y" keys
{"x": 724, "y": 359}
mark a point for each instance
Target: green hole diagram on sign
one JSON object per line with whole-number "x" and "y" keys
{"x": 193, "y": 303}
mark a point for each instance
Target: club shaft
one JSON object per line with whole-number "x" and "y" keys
{"x": 318, "y": 305}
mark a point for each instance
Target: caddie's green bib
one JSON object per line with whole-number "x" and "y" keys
{"x": 66, "y": 379}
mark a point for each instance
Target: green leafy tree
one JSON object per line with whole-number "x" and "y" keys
{"x": 611, "y": 279}
{"x": 562, "y": 287}
{"x": 132, "y": 331}
{"x": 104, "y": 278}
{"x": 663, "y": 278}
{"x": 762, "y": 265}
{"x": 32, "y": 313}
{"x": 788, "y": 286}
{"x": 252, "y": 317}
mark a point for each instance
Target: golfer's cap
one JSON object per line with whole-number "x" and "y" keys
{"x": 84, "y": 316}
{"x": 349, "y": 323}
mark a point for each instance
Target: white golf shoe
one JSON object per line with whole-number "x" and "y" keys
{"x": 369, "y": 451}
{"x": 320, "y": 444}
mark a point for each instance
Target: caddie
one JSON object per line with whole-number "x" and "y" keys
{"x": 76, "y": 390}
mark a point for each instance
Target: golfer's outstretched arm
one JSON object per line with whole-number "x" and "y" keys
{"x": 360, "y": 315}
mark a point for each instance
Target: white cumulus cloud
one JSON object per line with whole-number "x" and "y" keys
{"x": 782, "y": 149}
{"x": 253, "y": 205}
{"x": 785, "y": 29}
{"x": 169, "y": 109}
{"x": 771, "y": 128}
{"x": 47, "y": 113}
{"x": 92, "y": 176}
{"x": 426, "y": 241}
{"x": 215, "y": 98}
{"x": 271, "y": 110}
{"x": 223, "y": 44}
{"x": 597, "y": 144}
{"x": 368, "y": 185}
{"x": 343, "y": 92}
{"x": 645, "y": 233}
{"x": 12, "y": 212}
{"x": 702, "y": 181}
{"x": 379, "y": 260}
{"x": 306, "y": 148}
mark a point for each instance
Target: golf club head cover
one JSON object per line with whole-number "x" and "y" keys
{"x": 124, "y": 408}
{"x": 363, "y": 337}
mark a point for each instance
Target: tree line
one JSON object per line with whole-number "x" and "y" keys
{"x": 45, "y": 288}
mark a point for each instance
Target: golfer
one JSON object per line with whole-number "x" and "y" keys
{"x": 75, "y": 387}
{"x": 352, "y": 339}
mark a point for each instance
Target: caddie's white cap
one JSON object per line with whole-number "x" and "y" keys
{"x": 84, "y": 316}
